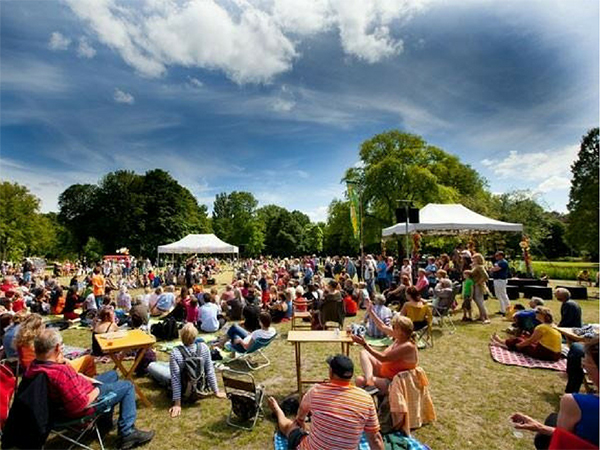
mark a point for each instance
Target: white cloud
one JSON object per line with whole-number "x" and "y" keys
{"x": 123, "y": 97}
{"x": 302, "y": 174}
{"x": 85, "y": 50}
{"x": 195, "y": 82}
{"x": 58, "y": 41}
{"x": 554, "y": 183}
{"x": 318, "y": 214}
{"x": 535, "y": 166}
{"x": 251, "y": 42}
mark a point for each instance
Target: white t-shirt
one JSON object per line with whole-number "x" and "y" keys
{"x": 90, "y": 303}
{"x": 260, "y": 334}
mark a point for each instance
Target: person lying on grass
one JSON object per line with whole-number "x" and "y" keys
{"x": 379, "y": 368}
{"x": 578, "y": 413}
{"x": 340, "y": 413}
{"x": 544, "y": 343}
{"x": 171, "y": 374}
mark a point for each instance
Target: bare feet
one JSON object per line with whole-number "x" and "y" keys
{"x": 273, "y": 405}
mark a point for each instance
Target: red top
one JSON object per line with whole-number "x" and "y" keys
{"x": 350, "y": 305}
{"x": 65, "y": 387}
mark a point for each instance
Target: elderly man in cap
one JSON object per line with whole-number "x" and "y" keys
{"x": 340, "y": 413}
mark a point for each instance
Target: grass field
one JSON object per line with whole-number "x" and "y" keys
{"x": 564, "y": 270}
{"x": 473, "y": 395}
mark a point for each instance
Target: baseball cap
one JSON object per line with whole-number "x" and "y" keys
{"x": 341, "y": 366}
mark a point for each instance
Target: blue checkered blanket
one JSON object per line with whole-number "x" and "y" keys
{"x": 280, "y": 442}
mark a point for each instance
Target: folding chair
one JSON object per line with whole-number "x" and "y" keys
{"x": 254, "y": 357}
{"x": 82, "y": 425}
{"x": 246, "y": 398}
{"x": 442, "y": 311}
{"x": 420, "y": 314}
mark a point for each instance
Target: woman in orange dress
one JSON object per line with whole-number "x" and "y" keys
{"x": 30, "y": 328}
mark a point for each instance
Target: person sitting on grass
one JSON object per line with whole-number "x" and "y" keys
{"x": 350, "y": 305}
{"x": 544, "y": 343}
{"x": 340, "y": 413}
{"x": 170, "y": 375}
{"x": 382, "y": 312}
{"x": 73, "y": 393}
{"x": 584, "y": 277}
{"x": 379, "y": 368}
{"x": 524, "y": 320}
{"x": 165, "y": 302}
{"x": 242, "y": 340}
{"x": 210, "y": 317}
{"x": 107, "y": 323}
{"x": 577, "y": 414}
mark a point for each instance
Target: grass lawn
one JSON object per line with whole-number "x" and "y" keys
{"x": 473, "y": 395}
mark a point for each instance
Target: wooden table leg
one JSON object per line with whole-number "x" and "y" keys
{"x": 298, "y": 370}
{"x": 128, "y": 374}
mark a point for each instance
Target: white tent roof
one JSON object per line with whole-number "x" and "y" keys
{"x": 447, "y": 218}
{"x": 198, "y": 243}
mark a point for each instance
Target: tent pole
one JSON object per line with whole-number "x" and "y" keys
{"x": 406, "y": 240}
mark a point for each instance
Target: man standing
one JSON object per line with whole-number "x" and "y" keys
{"x": 340, "y": 413}
{"x": 99, "y": 285}
{"x": 74, "y": 393}
{"x": 369, "y": 274}
{"x": 500, "y": 275}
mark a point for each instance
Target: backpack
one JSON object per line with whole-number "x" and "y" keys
{"x": 165, "y": 330}
{"x": 193, "y": 378}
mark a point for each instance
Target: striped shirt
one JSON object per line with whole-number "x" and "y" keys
{"x": 176, "y": 363}
{"x": 340, "y": 413}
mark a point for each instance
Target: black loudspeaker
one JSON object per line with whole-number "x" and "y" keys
{"x": 400, "y": 215}
{"x": 413, "y": 215}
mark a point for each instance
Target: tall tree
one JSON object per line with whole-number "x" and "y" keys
{"x": 338, "y": 236}
{"x": 77, "y": 212}
{"x": 582, "y": 231}
{"x": 19, "y": 213}
{"x": 401, "y": 166}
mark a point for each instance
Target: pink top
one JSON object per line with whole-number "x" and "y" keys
{"x": 422, "y": 283}
{"x": 192, "y": 313}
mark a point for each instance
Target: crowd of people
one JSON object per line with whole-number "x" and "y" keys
{"x": 396, "y": 296}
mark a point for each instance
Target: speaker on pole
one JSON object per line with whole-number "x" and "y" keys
{"x": 400, "y": 215}
{"x": 413, "y": 215}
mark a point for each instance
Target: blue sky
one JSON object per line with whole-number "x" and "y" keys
{"x": 275, "y": 96}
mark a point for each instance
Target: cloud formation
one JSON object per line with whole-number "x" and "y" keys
{"x": 58, "y": 42}
{"x": 251, "y": 42}
{"x": 123, "y": 97}
{"x": 85, "y": 50}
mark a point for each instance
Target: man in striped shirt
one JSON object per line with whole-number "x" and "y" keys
{"x": 340, "y": 413}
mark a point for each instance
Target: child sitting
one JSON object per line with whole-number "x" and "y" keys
{"x": 467, "y": 295}
{"x": 350, "y": 306}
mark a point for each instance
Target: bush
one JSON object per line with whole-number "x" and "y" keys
{"x": 564, "y": 271}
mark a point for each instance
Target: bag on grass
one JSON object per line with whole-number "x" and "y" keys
{"x": 193, "y": 378}
{"x": 165, "y": 330}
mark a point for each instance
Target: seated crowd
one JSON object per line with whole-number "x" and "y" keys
{"x": 398, "y": 301}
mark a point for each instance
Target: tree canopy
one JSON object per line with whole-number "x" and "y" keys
{"x": 582, "y": 231}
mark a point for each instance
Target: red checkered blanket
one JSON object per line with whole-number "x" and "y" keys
{"x": 510, "y": 358}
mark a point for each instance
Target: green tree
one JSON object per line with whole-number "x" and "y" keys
{"x": 338, "y": 236}
{"x": 235, "y": 221}
{"x": 77, "y": 212}
{"x": 19, "y": 215}
{"x": 401, "y": 166}
{"x": 582, "y": 230}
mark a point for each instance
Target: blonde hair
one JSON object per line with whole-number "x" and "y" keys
{"x": 188, "y": 334}
{"x": 405, "y": 325}
{"x": 30, "y": 328}
{"x": 546, "y": 312}
{"x": 442, "y": 273}
{"x": 478, "y": 259}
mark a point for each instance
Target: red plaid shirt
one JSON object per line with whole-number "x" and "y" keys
{"x": 66, "y": 388}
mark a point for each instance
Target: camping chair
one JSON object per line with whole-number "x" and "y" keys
{"x": 82, "y": 425}
{"x": 254, "y": 356}
{"x": 442, "y": 311}
{"x": 422, "y": 314}
{"x": 246, "y": 397}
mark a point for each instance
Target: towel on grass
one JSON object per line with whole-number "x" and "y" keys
{"x": 510, "y": 358}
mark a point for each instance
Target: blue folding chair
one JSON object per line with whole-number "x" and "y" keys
{"x": 82, "y": 425}
{"x": 254, "y": 357}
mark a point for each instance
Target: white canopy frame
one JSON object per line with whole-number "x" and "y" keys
{"x": 198, "y": 243}
{"x": 449, "y": 219}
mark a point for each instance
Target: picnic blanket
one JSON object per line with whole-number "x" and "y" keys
{"x": 510, "y": 358}
{"x": 379, "y": 342}
{"x": 71, "y": 352}
{"x": 167, "y": 346}
{"x": 280, "y": 442}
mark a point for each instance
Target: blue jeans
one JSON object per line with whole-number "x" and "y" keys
{"x": 160, "y": 372}
{"x": 235, "y": 331}
{"x": 125, "y": 399}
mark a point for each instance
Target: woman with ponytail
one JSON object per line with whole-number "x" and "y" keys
{"x": 379, "y": 368}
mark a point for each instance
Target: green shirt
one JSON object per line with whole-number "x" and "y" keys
{"x": 467, "y": 288}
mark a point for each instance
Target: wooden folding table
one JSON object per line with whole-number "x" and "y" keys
{"x": 118, "y": 343}
{"x": 298, "y": 337}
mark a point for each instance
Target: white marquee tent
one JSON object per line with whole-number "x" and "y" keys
{"x": 198, "y": 243}
{"x": 439, "y": 219}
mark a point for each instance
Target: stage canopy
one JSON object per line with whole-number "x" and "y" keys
{"x": 198, "y": 243}
{"x": 444, "y": 219}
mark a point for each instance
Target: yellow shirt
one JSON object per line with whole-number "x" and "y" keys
{"x": 551, "y": 338}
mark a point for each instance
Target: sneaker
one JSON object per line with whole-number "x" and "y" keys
{"x": 500, "y": 313}
{"x": 371, "y": 390}
{"x": 135, "y": 439}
